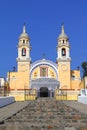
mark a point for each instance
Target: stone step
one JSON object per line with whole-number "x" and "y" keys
{"x": 46, "y": 114}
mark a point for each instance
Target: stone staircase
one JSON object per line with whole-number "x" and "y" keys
{"x": 46, "y": 114}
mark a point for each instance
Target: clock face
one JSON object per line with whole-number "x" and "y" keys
{"x": 64, "y": 67}
{"x": 23, "y": 67}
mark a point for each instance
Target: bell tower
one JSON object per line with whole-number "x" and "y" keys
{"x": 63, "y": 60}
{"x": 23, "y": 59}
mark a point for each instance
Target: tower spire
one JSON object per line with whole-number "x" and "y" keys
{"x": 62, "y": 35}
{"x": 24, "y": 28}
{"x": 63, "y": 28}
{"x": 24, "y": 34}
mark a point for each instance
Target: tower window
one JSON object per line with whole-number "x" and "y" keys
{"x": 23, "y": 41}
{"x": 63, "y": 41}
{"x": 63, "y": 52}
{"x": 23, "y": 51}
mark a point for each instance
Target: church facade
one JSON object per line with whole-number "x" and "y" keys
{"x": 44, "y": 78}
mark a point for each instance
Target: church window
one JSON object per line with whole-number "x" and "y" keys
{"x": 63, "y": 52}
{"x": 63, "y": 41}
{"x": 43, "y": 71}
{"x": 23, "y": 51}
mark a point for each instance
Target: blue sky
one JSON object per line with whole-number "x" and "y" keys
{"x": 43, "y": 20}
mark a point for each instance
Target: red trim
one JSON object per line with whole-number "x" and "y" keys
{"x": 12, "y": 89}
{"x": 67, "y": 89}
{"x": 24, "y": 89}
{"x": 78, "y": 89}
{"x": 20, "y": 89}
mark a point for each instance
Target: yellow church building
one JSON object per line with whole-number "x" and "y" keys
{"x": 44, "y": 78}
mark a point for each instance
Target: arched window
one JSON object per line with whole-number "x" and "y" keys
{"x": 63, "y": 52}
{"x": 23, "y": 51}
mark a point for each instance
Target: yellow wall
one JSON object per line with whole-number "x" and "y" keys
{"x": 19, "y": 80}
{"x": 75, "y": 73}
{"x": 67, "y": 95}
{"x": 64, "y": 75}
{"x": 85, "y": 82}
{"x": 76, "y": 82}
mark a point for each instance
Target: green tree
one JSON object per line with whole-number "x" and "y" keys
{"x": 84, "y": 67}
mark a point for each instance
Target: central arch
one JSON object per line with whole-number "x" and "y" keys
{"x": 44, "y": 92}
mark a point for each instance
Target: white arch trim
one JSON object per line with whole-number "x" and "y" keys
{"x": 44, "y": 62}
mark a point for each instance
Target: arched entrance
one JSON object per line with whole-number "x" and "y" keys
{"x": 50, "y": 86}
{"x": 44, "y": 92}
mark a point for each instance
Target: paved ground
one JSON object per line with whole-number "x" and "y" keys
{"x": 79, "y": 106}
{"x": 44, "y": 114}
{"x": 10, "y": 110}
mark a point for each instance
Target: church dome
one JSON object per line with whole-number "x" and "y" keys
{"x": 62, "y": 35}
{"x": 24, "y": 34}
